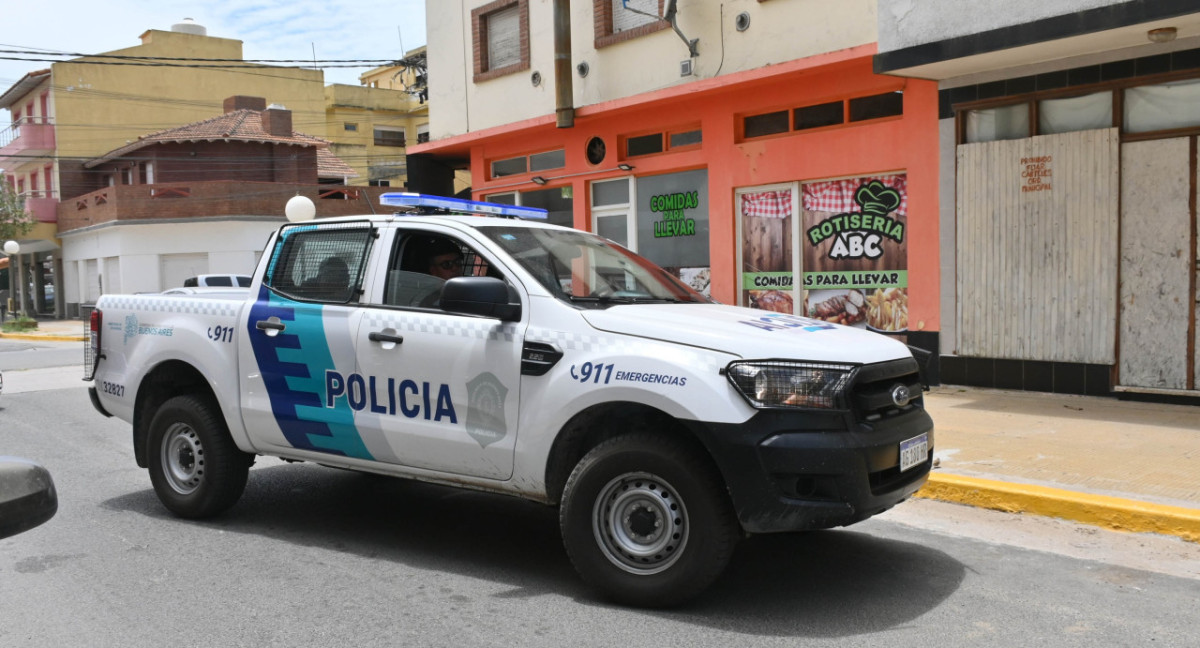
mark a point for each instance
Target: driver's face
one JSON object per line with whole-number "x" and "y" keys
{"x": 446, "y": 266}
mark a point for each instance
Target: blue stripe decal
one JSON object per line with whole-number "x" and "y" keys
{"x": 292, "y": 365}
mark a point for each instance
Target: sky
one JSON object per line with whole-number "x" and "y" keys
{"x": 337, "y": 29}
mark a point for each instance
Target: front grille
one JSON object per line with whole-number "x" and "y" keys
{"x": 876, "y": 388}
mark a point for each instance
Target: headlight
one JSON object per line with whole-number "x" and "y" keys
{"x": 790, "y": 384}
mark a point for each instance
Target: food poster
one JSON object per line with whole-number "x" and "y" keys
{"x": 855, "y": 252}
{"x": 672, "y": 225}
{"x": 767, "y": 277}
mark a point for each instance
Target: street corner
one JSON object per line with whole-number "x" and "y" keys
{"x": 1097, "y": 510}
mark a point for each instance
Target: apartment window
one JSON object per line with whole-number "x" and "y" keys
{"x": 618, "y": 20}
{"x": 644, "y": 144}
{"x": 422, "y": 133}
{"x": 1000, "y": 123}
{"x": 768, "y": 124}
{"x": 385, "y": 136}
{"x": 826, "y": 114}
{"x": 890, "y": 104}
{"x": 350, "y": 126}
{"x": 510, "y": 166}
{"x": 1164, "y": 106}
{"x": 500, "y": 38}
{"x": 548, "y": 160}
{"x": 1089, "y": 112}
{"x": 685, "y": 138}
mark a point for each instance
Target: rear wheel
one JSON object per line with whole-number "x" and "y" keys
{"x": 195, "y": 468}
{"x": 645, "y": 519}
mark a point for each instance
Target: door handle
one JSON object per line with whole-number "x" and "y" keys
{"x": 267, "y": 325}
{"x": 380, "y": 336}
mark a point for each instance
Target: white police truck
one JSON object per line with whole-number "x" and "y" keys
{"x": 452, "y": 343}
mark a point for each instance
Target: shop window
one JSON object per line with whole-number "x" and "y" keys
{"x": 511, "y": 166}
{"x": 618, "y": 20}
{"x": 768, "y": 124}
{"x": 349, "y": 126}
{"x": 686, "y": 138}
{"x": 557, "y": 202}
{"x": 644, "y": 144}
{"x": 501, "y": 38}
{"x": 1002, "y": 123}
{"x": 385, "y": 136}
{"x": 1162, "y": 107}
{"x": 890, "y": 104}
{"x": 672, "y": 226}
{"x": 1088, "y": 112}
{"x": 606, "y": 193}
{"x": 826, "y": 114}
{"x": 548, "y": 160}
{"x": 509, "y": 198}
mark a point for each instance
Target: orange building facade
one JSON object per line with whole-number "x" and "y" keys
{"x": 808, "y": 187}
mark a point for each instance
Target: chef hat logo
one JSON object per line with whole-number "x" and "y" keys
{"x": 877, "y": 198}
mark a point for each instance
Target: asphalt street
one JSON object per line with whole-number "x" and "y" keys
{"x": 318, "y": 556}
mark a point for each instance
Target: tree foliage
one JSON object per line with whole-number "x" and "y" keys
{"x": 15, "y": 221}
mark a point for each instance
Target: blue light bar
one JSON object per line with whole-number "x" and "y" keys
{"x": 458, "y": 205}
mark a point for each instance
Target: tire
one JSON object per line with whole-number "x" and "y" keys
{"x": 620, "y": 498}
{"x": 195, "y": 468}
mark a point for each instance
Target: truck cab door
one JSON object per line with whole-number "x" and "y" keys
{"x": 441, "y": 389}
{"x": 300, "y": 328}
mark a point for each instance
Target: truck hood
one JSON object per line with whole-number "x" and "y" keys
{"x": 747, "y": 333}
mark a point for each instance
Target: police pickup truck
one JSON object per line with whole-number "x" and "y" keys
{"x": 452, "y": 343}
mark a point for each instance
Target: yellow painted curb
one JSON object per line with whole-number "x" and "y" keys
{"x": 48, "y": 338}
{"x": 1097, "y": 510}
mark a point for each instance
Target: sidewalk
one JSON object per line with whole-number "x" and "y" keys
{"x": 51, "y": 330}
{"x": 1118, "y": 464}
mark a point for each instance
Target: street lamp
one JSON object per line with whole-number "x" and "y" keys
{"x": 13, "y": 249}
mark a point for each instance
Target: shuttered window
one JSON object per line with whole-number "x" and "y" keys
{"x": 503, "y": 38}
{"x": 630, "y": 14}
{"x": 500, "y": 38}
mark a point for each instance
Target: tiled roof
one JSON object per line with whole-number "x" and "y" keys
{"x": 331, "y": 166}
{"x": 18, "y": 90}
{"x": 238, "y": 126}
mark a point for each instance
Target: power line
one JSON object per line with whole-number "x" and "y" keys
{"x": 185, "y": 58}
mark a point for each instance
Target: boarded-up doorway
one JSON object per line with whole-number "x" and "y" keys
{"x": 1158, "y": 337}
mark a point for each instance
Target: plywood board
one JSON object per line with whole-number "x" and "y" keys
{"x": 1155, "y": 263}
{"x": 1037, "y": 248}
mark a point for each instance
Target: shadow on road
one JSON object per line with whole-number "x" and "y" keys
{"x": 821, "y": 584}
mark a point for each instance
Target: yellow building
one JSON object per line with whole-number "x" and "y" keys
{"x": 372, "y": 124}
{"x": 79, "y": 109}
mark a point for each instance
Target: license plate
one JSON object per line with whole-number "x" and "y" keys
{"x": 913, "y": 451}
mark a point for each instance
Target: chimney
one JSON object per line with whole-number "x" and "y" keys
{"x": 240, "y": 102}
{"x": 277, "y": 121}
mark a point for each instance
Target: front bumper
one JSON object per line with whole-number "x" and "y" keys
{"x": 793, "y": 471}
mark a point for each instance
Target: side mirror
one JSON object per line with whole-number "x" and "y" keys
{"x": 485, "y": 296}
{"x": 27, "y": 496}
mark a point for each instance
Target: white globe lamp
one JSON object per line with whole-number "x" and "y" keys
{"x": 300, "y": 208}
{"x": 12, "y": 247}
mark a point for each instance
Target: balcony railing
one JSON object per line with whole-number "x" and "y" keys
{"x": 27, "y": 135}
{"x": 42, "y": 204}
{"x": 215, "y": 199}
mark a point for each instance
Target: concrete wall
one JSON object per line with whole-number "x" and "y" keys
{"x": 905, "y": 23}
{"x": 137, "y": 251}
{"x": 778, "y": 32}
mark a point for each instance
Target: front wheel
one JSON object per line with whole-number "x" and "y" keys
{"x": 195, "y": 468}
{"x": 646, "y": 520}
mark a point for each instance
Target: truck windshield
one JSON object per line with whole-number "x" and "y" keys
{"x": 585, "y": 269}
